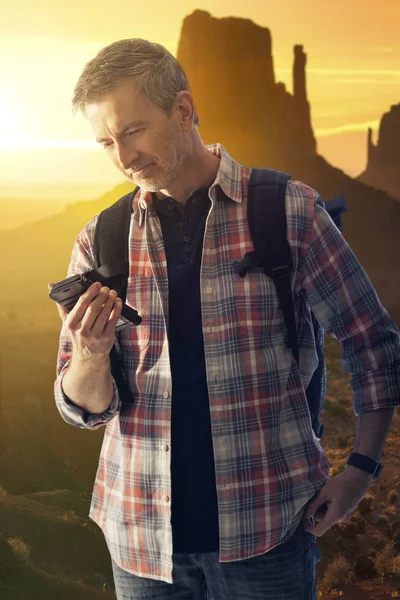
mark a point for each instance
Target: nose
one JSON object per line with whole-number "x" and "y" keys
{"x": 125, "y": 156}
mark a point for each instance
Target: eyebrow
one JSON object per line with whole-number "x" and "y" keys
{"x": 129, "y": 126}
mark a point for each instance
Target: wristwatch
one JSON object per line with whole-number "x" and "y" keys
{"x": 365, "y": 463}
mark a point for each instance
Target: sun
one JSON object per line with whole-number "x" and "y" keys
{"x": 7, "y": 118}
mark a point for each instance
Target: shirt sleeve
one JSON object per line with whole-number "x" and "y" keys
{"x": 82, "y": 260}
{"x": 345, "y": 303}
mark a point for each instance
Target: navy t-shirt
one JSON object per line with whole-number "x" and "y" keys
{"x": 194, "y": 497}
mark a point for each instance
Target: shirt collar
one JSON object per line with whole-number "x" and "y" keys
{"x": 228, "y": 178}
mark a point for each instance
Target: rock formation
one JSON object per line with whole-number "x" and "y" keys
{"x": 302, "y": 121}
{"x": 229, "y": 63}
{"x": 383, "y": 163}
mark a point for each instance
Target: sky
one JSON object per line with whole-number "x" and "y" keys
{"x": 353, "y": 74}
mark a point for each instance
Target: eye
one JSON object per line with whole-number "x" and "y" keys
{"x": 136, "y": 131}
{"x": 128, "y": 133}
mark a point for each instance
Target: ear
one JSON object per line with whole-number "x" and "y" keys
{"x": 185, "y": 105}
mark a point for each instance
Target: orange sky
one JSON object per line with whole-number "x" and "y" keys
{"x": 353, "y": 73}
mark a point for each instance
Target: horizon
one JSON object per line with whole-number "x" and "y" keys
{"x": 49, "y": 192}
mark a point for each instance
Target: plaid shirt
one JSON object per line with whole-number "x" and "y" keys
{"x": 268, "y": 461}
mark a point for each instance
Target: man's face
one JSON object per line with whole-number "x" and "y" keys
{"x": 137, "y": 135}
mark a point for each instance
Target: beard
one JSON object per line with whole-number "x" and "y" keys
{"x": 168, "y": 164}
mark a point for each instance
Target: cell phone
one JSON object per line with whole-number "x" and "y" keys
{"x": 68, "y": 291}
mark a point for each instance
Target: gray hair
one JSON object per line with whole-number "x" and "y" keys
{"x": 152, "y": 69}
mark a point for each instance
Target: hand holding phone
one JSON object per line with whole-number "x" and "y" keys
{"x": 91, "y": 322}
{"x": 68, "y": 291}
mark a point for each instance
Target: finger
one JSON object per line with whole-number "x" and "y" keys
{"x": 78, "y": 312}
{"x": 62, "y": 311}
{"x": 114, "y": 316}
{"x": 319, "y": 499}
{"x": 309, "y": 525}
{"x": 103, "y": 315}
{"x": 322, "y": 527}
{"x": 95, "y": 309}
{"x": 324, "y": 520}
{"x": 321, "y": 511}
{"x": 312, "y": 523}
{"x": 312, "y": 507}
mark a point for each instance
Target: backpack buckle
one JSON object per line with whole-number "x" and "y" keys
{"x": 248, "y": 262}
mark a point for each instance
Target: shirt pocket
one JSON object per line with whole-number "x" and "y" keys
{"x": 257, "y": 306}
{"x": 138, "y": 297}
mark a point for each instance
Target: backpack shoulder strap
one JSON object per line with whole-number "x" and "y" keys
{"x": 111, "y": 243}
{"x": 336, "y": 207}
{"x": 112, "y": 256}
{"x": 266, "y": 216}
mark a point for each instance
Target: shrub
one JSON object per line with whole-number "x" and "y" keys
{"x": 343, "y": 441}
{"x": 393, "y": 497}
{"x": 395, "y": 529}
{"x": 20, "y": 548}
{"x": 70, "y": 516}
{"x": 384, "y": 561}
{"x": 336, "y": 574}
{"x": 337, "y": 410}
{"x": 396, "y": 565}
{"x": 382, "y": 521}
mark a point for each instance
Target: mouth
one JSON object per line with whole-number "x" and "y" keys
{"x": 139, "y": 171}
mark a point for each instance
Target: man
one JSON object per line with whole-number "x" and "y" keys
{"x": 208, "y": 480}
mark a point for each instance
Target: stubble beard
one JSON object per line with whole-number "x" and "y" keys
{"x": 170, "y": 164}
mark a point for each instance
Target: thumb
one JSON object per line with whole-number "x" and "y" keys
{"x": 314, "y": 505}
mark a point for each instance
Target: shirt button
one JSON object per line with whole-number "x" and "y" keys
{"x": 186, "y": 238}
{"x": 166, "y": 498}
{"x": 166, "y": 394}
{"x": 170, "y": 206}
{"x": 165, "y": 447}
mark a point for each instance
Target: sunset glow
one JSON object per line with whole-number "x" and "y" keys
{"x": 353, "y": 70}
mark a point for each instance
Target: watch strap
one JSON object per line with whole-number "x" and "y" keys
{"x": 365, "y": 463}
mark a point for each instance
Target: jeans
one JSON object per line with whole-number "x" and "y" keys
{"x": 285, "y": 573}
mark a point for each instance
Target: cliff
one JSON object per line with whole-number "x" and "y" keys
{"x": 383, "y": 162}
{"x": 229, "y": 62}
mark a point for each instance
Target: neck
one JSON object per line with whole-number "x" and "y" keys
{"x": 198, "y": 170}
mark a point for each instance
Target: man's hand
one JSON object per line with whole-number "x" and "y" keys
{"x": 340, "y": 495}
{"x": 92, "y": 321}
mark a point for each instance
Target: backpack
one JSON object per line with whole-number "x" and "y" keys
{"x": 267, "y": 223}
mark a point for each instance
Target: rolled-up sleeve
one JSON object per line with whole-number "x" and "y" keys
{"x": 345, "y": 303}
{"x": 82, "y": 260}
